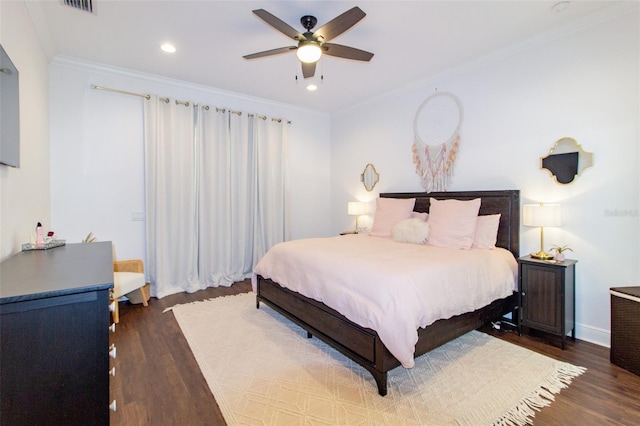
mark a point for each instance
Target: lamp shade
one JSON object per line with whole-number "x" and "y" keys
{"x": 541, "y": 215}
{"x": 357, "y": 208}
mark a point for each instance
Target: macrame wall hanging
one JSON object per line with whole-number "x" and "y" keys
{"x": 436, "y": 140}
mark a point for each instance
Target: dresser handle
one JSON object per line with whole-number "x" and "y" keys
{"x": 112, "y": 306}
{"x": 112, "y": 372}
{"x": 112, "y": 351}
{"x": 112, "y": 327}
{"x": 112, "y": 406}
{"x": 523, "y": 293}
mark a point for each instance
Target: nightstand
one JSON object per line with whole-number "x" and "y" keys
{"x": 546, "y": 292}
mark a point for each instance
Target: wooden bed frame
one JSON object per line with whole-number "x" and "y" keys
{"x": 363, "y": 345}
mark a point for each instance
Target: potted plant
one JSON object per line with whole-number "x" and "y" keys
{"x": 560, "y": 252}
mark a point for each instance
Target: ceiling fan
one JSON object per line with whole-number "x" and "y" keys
{"x": 311, "y": 45}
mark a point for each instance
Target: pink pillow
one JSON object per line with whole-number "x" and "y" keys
{"x": 390, "y": 211}
{"x": 486, "y": 232}
{"x": 452, "y": 223}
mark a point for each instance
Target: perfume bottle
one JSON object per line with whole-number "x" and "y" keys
{"x": 39, "y": 235}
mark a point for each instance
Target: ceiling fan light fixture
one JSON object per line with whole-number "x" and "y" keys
{"x": 309, "y": 52}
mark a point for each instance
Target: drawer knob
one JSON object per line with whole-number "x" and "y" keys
{"x": 112, "y": 372}
{"x": 112, "y": 351}
{"x": 112, "y": 306}
{"x": 112, "y": 406}
{"x": 112, "y": 327}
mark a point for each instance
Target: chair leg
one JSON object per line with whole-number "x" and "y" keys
{"x": 115, "y": 314}
{"x": 139, "y": 295}
{"x": 143, "y": 296}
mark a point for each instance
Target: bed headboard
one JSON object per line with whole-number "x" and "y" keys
{"x": 506, "y": 202}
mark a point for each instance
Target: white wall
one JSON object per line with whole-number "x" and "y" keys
{"x": 582, "y": 84}
{"x": 97, "y": 154}
{"x": 24, "y": 191}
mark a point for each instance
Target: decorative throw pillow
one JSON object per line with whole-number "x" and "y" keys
{"x": 413, "y": 230}
{"x": 390, "y": 211}
{"x": 452, "y": 223}
{"x": 486, "y": 231}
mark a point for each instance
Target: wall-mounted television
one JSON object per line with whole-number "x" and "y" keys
{"x": 9, "y": 112}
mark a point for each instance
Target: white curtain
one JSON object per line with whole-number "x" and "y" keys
{"x": 216, "y": 194}
{"x": 226, "y": 198}
{"x": 172, "y": 249}
{"x": 271, "y": 192}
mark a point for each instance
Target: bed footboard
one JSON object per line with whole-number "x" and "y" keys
{"x": 362, "y": 345}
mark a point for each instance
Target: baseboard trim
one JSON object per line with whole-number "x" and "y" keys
{"x": 594, "y": 335}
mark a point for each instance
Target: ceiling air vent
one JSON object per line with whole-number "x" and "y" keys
{"x": 85, "y": 5}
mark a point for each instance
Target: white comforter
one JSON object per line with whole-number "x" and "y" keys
{"x": 393, "y": 288}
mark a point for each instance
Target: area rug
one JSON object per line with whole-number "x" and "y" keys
{"x": 262, "y": 370}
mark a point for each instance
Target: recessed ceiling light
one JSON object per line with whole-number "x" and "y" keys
{"x": 168, "y": 47}
{"x": 312, "y": 87}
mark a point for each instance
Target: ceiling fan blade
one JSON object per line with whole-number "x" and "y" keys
{"x": 270, "y": 52}
{"x": 308, "y": 70}
{"x": 346, "y": 52}
{"x": 279, "y": 24}
{"x": 340, "y": 24}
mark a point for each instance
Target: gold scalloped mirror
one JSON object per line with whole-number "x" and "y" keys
{"x": 566, "y": 161}
{"x": 369, "y": 177}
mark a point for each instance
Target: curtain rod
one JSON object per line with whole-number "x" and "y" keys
{"x": 185, "y": 103}
{"x": 106, "y": 89}
{"x": 262, "y": 117}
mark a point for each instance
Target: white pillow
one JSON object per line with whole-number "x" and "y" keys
{"x": 413, "y": 230}
{"x": 486, "y": 232}
{"x": 390, "y": 211}
{"x": 452, "y": 223}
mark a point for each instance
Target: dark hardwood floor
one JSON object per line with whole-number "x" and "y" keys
{"x": 158, "y": 382}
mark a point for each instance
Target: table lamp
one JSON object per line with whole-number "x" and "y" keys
{"x": 356, "y": 208}
{"x": 541, "y": 215}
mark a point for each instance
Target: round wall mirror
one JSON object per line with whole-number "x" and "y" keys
{"x": 369, "y": 177}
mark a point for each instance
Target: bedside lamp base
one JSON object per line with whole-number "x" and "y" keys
{"x": 542, "y": 255}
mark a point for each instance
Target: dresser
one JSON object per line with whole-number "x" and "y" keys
{"x": 547, "y": 296}
{"x": 54, "y": 335}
